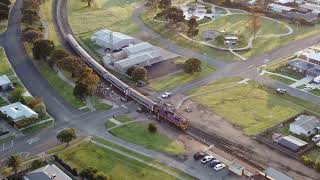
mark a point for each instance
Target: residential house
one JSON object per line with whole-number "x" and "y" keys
{"x": 17, "y": 112}
{"x": 5, "y": 83}
{"x": 47, "y": 172}
{"x": 292, "y": 143}
{"x": 314, "y": 71}
{"x": 313, "y": 57}
{"x": 305, "y": 125}
{"x": 112, "y": 40}
{"x": 312, "y": 7}
{"x": 280, "y": 8}
{"x": 300, "y": 65}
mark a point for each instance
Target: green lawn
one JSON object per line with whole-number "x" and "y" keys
{"x": 174, "y": 80}
{"x": 282, "y": 68}
{"x": 138, "y": 133}
{"x": 314, "y": 154}
{"x": 37, "y": 128}
{"x": 109, "y": 162}
{"x": 250, "y": 106}
{"x": 281, "y": 79}
{"x": 99, "y": 105}
{"x": 2, "y": 102}
{"x": 5, "y": 67}
{"x": 315, "y": 92}
{"x": 46, "y": 14}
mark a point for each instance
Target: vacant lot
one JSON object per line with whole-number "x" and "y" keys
{"x": 248, "y": 106}
{"x": 109, "y": 162}
{"x": 174, "y": 80}
{"x": 138, "y": 133}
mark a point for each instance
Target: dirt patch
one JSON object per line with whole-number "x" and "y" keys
{"x": 163, "y": 68}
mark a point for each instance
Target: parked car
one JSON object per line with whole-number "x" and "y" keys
{"x": 206, "y": 159}
{"x": 166, "y": 95}
{"x": 219, "y": 166}
{"x": 316, "y": 138}
{"x": 199, "y": 155}
{"x": 214, "y": 162}
{"x": 281, "y": 91}
{"x": 318, "y": 144}
{"x": 308, "y": 88}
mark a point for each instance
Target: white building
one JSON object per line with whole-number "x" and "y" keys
{"x": 5, "y": 83}
{"x": 48, "y": 172}
{"x": 112, "y": 40}
{"x": 17, "y": 111}
{"x": 279, "y": 8}
{"x": 138, "y": 48}
{"x": 313, "y": 7}
{"x": 305, "y": 125}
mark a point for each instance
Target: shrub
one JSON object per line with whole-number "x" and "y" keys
{"x": 42, "y": 49}
{"x": 37, "y": 164}
{"x": 152, "y": 128}
{"x": 192, "y": 65}
{"x": 41, "y": 110}
{"x": 26, "y": 122}
{"x": 17, "y": 95}
{"x": 31, "y": 35}
{"x": 307, "y": 161}
{"x": 317, "y": 165}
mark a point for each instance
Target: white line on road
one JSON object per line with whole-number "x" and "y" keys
{"x": 33, "y": 140}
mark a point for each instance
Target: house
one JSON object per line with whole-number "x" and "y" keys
{"x": 47, "y": 172}
{"x": 313, "y": 57}
{"x": 17, "y": 111}
{"x": 5, "y": 83}
{"x": 309, "y": 16}
{"x": 275, "y": 174}
{"x": 279, "y": 8}
{"x": 289, "y": 2}
{"x": 300, "y": 65}
{"x": 292, "y": 143}
{"x": 314, "y": 71}
{"x": 139, "y": 60}
{"x": 305, "y": 125}
{"x": 112, "y": 40}
{"x": 312, "y": 7}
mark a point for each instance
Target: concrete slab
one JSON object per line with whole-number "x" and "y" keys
{"x": 303, "y": 81}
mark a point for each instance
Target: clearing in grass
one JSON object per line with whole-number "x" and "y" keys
{"x": 250, "y": 106}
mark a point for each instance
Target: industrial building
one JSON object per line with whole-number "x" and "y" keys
{"x": 292, "y": 143}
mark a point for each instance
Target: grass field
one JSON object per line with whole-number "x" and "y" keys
{"x": 174, "y": 80}
{"x": 109, "y": 162}
{"x": 315, "y": 92}
{"x": 250, "y": 106}
{"x": 5, "y": 67}
{"x": 138, "y": 133}
{"x": 2, "y": 102}
{"x": 99, "y": 105}
{"x": 314, "y": 154}
{"x": 282, "y": 68}
{"x": 281, "y": 79}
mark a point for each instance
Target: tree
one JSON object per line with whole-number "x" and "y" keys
{"x": 14, "y": 162}
{"x": 35, "y": 101}
{"x": 67, "y": 135}
{"x": 192, "y": 27}
{"x": 30, "y": 16}
{"x": 4, "y": 9}
{"x": 86, "y": 84}
{"x": 192, "y": 65}
{"x": 17, "y": 95}
{"x": 72, "y": 64}
{"x": 80, "y": 91}
{"x": 41, "y": 110}
{"x": 254, "y": 23}
{"x": 89, "y": 2}
{"x": 130, "y": 70}
{"x": 37, "y": 164}
{"x": 57, "y": 55}
{"x": 139, "y": 74}
{"x": 102, "y": 176}
{"x": 88, "y": 173}
{"x": 152, "y": 128}
{"x": 174, "y": 15}
{"x": 42, "y": 49}
{"x": 164, "y": 4}
{"x": 32, "y": 35}
{"x": 317, "y": 165}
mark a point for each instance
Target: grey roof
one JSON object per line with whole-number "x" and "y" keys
{"x": 37, "y": 176}
{"x": 307, "y": 123}
{"x": 105, "y": 35}
{"x": 47, "y": 172}
{"x": 304, "y": 65}
{"x": 278, "y": 6}
{"x": 4, "y": 80}
{"x": 312, "y": 7}
{"x": 137, "y": 59}
{"x": 275, "y": 174}
{"x": 310, "y": 17}
{"x": 292, "y": 142}
{"x": 137, "y": 48}
{"x": 314, "y": 70}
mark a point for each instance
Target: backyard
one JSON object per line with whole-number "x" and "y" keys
{"x": 250, "y": 106}
{"x": 116, "y": 165}
{"x": 138, "y": 133}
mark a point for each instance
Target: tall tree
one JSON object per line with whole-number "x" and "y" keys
{"x": 254, "y": 23}
{"x": 139, "y": 74}
{"x": 14, "y": 162}
{"x": 88, "y": 173}
{"x": 57, "y": 55}
{"x": 174, "y": 15}
{"x": 192, "y": 28}
{"x": 42, "y": 49}
{"x": 67, "y": 135}
{"x": 192, "y": 65}
{"x": 164, "y": 4}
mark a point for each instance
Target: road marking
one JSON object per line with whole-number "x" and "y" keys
{"x": 124, "y": 106}
{"x": 33, "y": 140}
{"x": 4, "y": 147}
{"x": 24, "y": 155}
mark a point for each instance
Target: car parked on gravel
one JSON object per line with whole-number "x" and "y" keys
{"x": 166, "y": 95}
{"x": 316, "y": 138}
{"x": 206, "y": 159}
{"x": 199, "y": 155}
{"x": 214, "y": 162}
{"x": 219, "y": 166}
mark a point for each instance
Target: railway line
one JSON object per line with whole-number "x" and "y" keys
{"x": 65, "y": 34}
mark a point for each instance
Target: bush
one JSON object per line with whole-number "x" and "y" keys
{"x": 42, "y": 49}
{"x": 307, "y": 161}
{"x": 26, "y": 122}
{"x": 17, "y": 95}
{"x": 130, "y": 70}
{"x": 57, "y": 55}
{"x": 31, "y": 35}
{"x": 317, "y": 165}
{"x": 41, "y": 110}
{"x": 152, "y": 128}
{"x": 192, "y": 65}
{"x": 37, "y": 164}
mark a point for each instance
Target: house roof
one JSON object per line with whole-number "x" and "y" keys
{"x": 4, "y": 80}
{"x": 307, "y": 123}
{"x": 304, "y": 65}
{"x": 314, "y": 71}
{"x": 315, "y": 8}
{"x": 314, "y": 56}
{"x": 275, "y": 174}
{"x": 284, "y": 1}
{"x": 137, "y": 59}
{"x": 47, "y": 173}
{"x": 17, "y": 110}
{"x": 137, "y": 48}
{"x": 105, "y": 35}
{"x": 292, "y": 142}
{"x": 278, "y": 6}
{"x": 310, "y": 17}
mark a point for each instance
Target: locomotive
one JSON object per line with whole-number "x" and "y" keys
{"x": 160, "y": 112}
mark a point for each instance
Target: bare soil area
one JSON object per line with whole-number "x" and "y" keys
{"x": 206, "y": 120}
{"x": 162, "y": 68}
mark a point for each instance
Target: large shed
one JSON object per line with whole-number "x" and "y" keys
{"x": 292, "y": 143}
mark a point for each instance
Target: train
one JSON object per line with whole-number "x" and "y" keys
{"x": 161, "y": 113}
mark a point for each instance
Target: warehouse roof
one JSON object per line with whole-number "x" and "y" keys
{"x": 315, "y": 8}
{"x": 105, "y": 35}
{"x": 137, "y": 59}
{"x": 304, "y": 65}
{"x": 275, "y": 174}
{"x": 137, "y": 48}
{"x": 292, "y": 142}
{"x": 278, "y": 6}
{"x": 4, "y": 80}
{"x": 307, "y": 122}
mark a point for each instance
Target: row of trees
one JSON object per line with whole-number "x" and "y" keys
{"x": 4, "y": 9}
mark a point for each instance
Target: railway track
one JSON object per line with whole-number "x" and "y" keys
{"x": 225, "y": 145}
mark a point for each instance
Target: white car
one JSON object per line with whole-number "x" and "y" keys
{"x": 166, "y": 94}
{"x": 219, "y": 166}
{"x": 318, "y": 144}
{"x": 308, "y": 88}
{"x": 316, "y": 138}
{"x": 206, "y": 159}
{"x": 281, "y": 91}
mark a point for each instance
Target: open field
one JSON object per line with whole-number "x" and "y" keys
{"x": 99, "y": 105}
{"x": 138, "y": 133}
{"x": 118, "y": 166}
{"x": 174, "y": 80}
{"x": 281, "y": 79}
{"x": 251, "y": 107}
{"x": 2, "y": 102}
{"x": 5, "y": 67}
